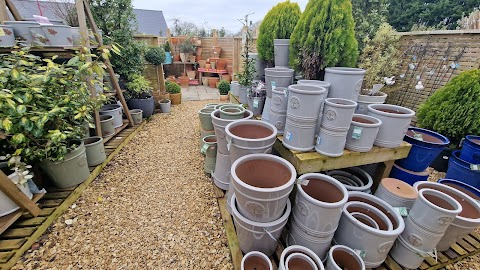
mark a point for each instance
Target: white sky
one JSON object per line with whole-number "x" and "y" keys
{"x": 214, "y": 13}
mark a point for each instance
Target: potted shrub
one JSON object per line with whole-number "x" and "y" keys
{"x": 187, "y": 48}
{"x": 223, "y": 87}
{"x": 156, "y": 56}
{"x": 139, "y": 95}
{"x": 42, "y": 107}
{"x": 245, "y": 79}
{"x": 168, "y": 53}
{"x": 175, "y": 92}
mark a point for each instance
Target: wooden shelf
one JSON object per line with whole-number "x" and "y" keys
{"x": 184, "y": 63}
{"x": 117, "y": 130}
{"x": 9, "y": 219}
{"x": 217, "y": 71}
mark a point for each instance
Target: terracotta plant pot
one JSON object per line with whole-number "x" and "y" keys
{"x": 176, "y": 99}
{"x": 221, "y": 64}
{"x": 174, "y": 40}
{"x": 223, "y": 97}
{"x": 230, "y": 70}
{"x": 396, "y": 193}
{"x": 217, "y": 50}
{"x": 172, "y": 79}
{"x": 202, "y": 63}
{"x": 213, "y": 65}
{"x": 212, "y": 81}
{"x": 205, "y": 81}
{"x": 176, "y": 57}
{"x": 256, "y": 260}
{"x": 191, "y": 74}
{"x": 226, "y": 77}
{"x": 184, "y": 81}
{"x": 184, "y": 57}
{"x": 208, "y": 66}
{"x": 198, "y": 54}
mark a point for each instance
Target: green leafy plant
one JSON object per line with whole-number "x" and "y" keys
{"x": 245, "y": 78}
{"x": 155, "y": 55}
{"x": 453, "y": 110}
{"x": 223, "y": 87}
{"x": 368, "y": 16}
{"x": 277, "y": 24}
{"x": 188, "y": 45}
{"x": 138, "y": 87}
{"x": 324, "y": 37}
{"x": 20, "y": 168}
{"x": 43, "y": 104}
{"x": 172, "y": 88}
{"x": 166, "y": 46}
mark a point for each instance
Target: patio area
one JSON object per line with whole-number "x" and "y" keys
{"x": 199, "y": 92}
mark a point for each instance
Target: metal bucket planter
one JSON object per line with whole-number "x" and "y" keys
{"x": 345, "y": 82}
{"x": 95, "y": 151}
{"x": 242, "y": 94}
{"x": 8, "y": 206}
{"x": 396, "y": 193}
{"x": 147, "y": 105}
{"x": 365, "y": 100}
{"x": 471, "y": 149}
{"x": 338, "y": 113}
{"x": 107, "y": 125}
{"x": 395, "y": 123}
{"x": 256, "y": 260}
{"x": 279, "y": 99}
{"x": 305, "y": 100}
{"x": 375, "y": 243}
{"x": 278, "y": 119}
{"x": 114, "y": 110}
{"x": 205, "y": 116}
{"x": 362, "y": 133}
{"x": 426, "y": 146}
{"x": 318, "y": 244}
{"x": 235, "y": 88}
{"x": 137, "y": 116}
{"x": 281, "y": 52}
{"x": 203, "y": 134}
{"x": 249, "y": 137}
{"x": 210, "y": 151}
{"x": 354, "y": 179}
{"x": 258, "y": 236}
{"x": 407, "y": 176}
{"x": 299, "y": 135}
{"x": 8, "y": 40}
{"x": 221, "y": 174}
{"x": 319, "y": 202}
{"x": 71, "y": 171}
{"x": 471, "y": 191}
{"x": 21, "y": 31}
{"x": 278, "y": 77}
{"x": 342, "y": 257}
{"x": 434, "y": 210}
{"x": 331, "y": 143}
{"x": 460, "y": 170}
{"x": 165, "y": 105}
{"x": 299, "y": 249}
{"x": 299, "y": 261}
{"x": 262, "y": 184}
{"x": 406, "y": 255}
{"x": 466, "y": 222}
{"x": 219, "y": 125}
{"x": 419, "y": 237}
{"x": 266, "y": 109}
{"x": 255, "y": 104}
{"x": 58, "y": 35}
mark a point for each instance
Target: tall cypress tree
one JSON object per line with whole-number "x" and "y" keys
{"x": 277, "y": 24}
{"x": 324, "y": 37}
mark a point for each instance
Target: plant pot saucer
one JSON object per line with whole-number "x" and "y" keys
{"x": 399, "y": 188}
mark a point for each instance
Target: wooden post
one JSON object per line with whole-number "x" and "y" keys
{"x": 169, "y": 37}
{"x": 3, "y": 11}
{"x": 215, "y": 37}
{"x": 14, "y": 11}
{"x": 17, "y": 196}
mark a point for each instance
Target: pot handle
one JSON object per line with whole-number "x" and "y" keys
{"x": 229, "y": 142}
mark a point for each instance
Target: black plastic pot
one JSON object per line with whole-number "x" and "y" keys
{"x": 147, "y": 105}
{"x": 441, "y": 162}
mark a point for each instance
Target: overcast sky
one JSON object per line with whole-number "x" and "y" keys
{"x": 214, "y": 13}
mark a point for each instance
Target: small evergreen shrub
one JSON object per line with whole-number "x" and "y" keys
{"x": 172, "y": 88}
{"x": 155, "y": 55}
{"x": 223, "y": 87}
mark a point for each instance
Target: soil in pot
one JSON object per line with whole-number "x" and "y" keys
{"x": 255, "y": 260}
{"x": 184, "y": 81}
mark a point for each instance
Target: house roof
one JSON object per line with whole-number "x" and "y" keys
{"x": 150, "y": 22}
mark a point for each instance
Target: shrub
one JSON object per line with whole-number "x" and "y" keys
{"x": 324, "y": 37}
{"x": 166, "y": 46}
{"x": 155, "y": 55}
{"x": 223, "y": 87}
{"x": 453, "y": 110}
{"x": 173, "y": 88}
{"x": 138, "y": 87}
{"x": 277, "y": 24}
{"x": 368, "y": 16}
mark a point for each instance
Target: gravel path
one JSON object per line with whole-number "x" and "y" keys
{"x": 151, "y": 208}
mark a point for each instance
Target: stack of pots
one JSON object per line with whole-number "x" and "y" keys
{"x": 235, "y": 88}
{"x": 323, "y": 84}
{"x": 206, "y": 125}
{"x": 209, "y": 149}
{"x": 365, "y": 100}
{"x": 318, "y": 207}
{"x": 464, "y": 165}
{"x": 362, "y": 133}
{"x": 223, "y": 163}
{"x": 336, "y": 120}
{"x": 303, "y": 109}
{"x": 295, "y": 249}
{"x": 114, "y": 110}
{"x": 278, "y": 109}
{"x": 354, "y": 179}
{"x": 345, "y": 82}
{"x": 426, "y": 146}
{"x": 260, "y": 206}
{"x": 395, "y": 123}
{"x": 466, "y": 222}
{"x": 431, "y": 215}
{"x": 275, "y": 77}
{"x": 396, "y": 193}
{"x": 375, "y": 223}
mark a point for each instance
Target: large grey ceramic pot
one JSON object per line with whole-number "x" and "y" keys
{"x": 305, "y": 101}
{"x": 71, "y": 171}
{"x": 20, "y": 28}
{"x": 281, "y": 51}
{"x": 58, "y": 35}
{"x": 114, "y": 110}
{"x": 147, "y": 105}
{"x": 278, "y": 77}
{"x": 344, "y": 82}
{"x": 219, "y": 125}
{"x": 8, "y": 40}
{"x": 362, "y": 133}
{"x": 95, "y": 150}
{"x": 395, "y": 123}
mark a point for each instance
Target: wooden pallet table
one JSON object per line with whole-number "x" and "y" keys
{"x": 26, "y": 230}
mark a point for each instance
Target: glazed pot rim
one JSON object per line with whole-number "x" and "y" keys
{"x": 331, "y": 102}
{"x": 348, "y": 250}
{"x": 279, "y": 90}
{"x": 268, "y": 157}
{"x": 225, "y": 122}
{"x": 251, "y": 122}
{"x": 407, "y": 112}
{"x": 376, "y": 211}
{"x": 437, "y": 135}
{"x": 278, "y": 69}
{"x": 314, "y": 89}
{"x": 457, "y": 192}
{"x": 388, "y": 208}
{"x": 210, "y": 136}
{"x": 377, "y": 121}
{"x": 365, "y": 216}
{"x": 439, "y": 194}
{"x": 358, "y": 171}
{"x": 96, "y": 139}
{"x": 423, "y": 173}
{"x": 109, "y": 117}
{"x": 303, "y": 256}
{"x": 266, "y": 225}
{"x": 460, "y": 184}
{"x": 345, "y": 70}
{"x": 330, "y": 180}
{"x": 304, "y": 250}
{"x": 257, "y": 254}
{"x": 135, "y": 111}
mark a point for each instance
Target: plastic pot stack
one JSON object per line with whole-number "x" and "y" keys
{"x": 303, "y": 109}
{"x": 431, "y": 215}
{"x": 336, "y": 120}
{"x": 317, "y": 211}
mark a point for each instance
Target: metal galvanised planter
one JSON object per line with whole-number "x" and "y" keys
{"x": 114, "y": 110}
{"x": 137, "y": 116}
{"x": 342, "y": 257}
{"x": 395, "y": 123}
{"x": 299, "y": 249}
{"x": 107, "y": 125}
{"x": 95, "y": 151}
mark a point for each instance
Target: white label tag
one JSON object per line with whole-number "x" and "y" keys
{"x": 255, "y": 103}
{"x": 402, "y": 211}
{"x": 319, "y": 140}
{"x": 288, "y": 135}
{"x": 361, "y": 253}
{"x": 204, "y": 148}
{"x": 475, "y": 167}
{"x": 229, "y": 143}
{"x": 357, "y": 132}
{"x": 274, "y": 85}
{"x": 41, "y": 19}
{"x": 418, "y": 137}
{"x": 303, "y": 182}
{"x": 2, "y": 33}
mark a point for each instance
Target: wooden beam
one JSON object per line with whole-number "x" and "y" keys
{"x": 14, "y": 10}
{"x": 169, "y": 37}
{"x": 17, "y": 196}
{"x": 161, "y": 79}
{"x": 215, "y": 38}
{"x": 3, "y": 11}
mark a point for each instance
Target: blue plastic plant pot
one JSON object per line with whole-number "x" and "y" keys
{"x": 408, "y": 176}
{"x": 168, "y": 58}
{"x": 426, "y": 146}
{"x": 465, "y": 188}
{"x": 471, "y": 149}
{"x": 461, "y": 170}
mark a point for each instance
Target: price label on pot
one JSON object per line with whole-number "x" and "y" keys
{"x": 2, "y": 33}
{"x": 274, "y": 85}
{"x": 418, "y": 137}
{"x": 357, "y": 133}
{"x": 303, "y": 182}
{"x": 475, "y": 167}
{"x": 402, "y": 211}
{"x": 229, "y": 143}
{"x": 319, "y": 140}
{"x": 255, "y": 103}
{"x": 361, "y": 253}
{"x": 285, "y": 92}
{"x": 288, "y": 135}
{"x": 204, "y": 148}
